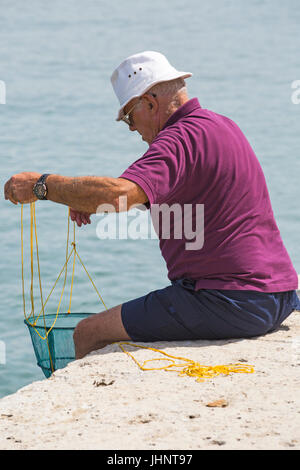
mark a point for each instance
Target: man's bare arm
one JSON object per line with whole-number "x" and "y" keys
{"x": 84, "y": 193}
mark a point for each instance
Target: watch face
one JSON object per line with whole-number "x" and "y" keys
{"x": 40, "y": 190}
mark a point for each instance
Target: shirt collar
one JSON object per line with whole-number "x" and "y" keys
{"x": 184, "y": 110}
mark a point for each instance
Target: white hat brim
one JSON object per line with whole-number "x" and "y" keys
{"x": 165, "y": 78}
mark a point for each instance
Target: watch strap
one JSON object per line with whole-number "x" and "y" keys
{"x": 42, "y": 178}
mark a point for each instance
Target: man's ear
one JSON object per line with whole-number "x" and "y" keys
{"x": 152, "y": 102}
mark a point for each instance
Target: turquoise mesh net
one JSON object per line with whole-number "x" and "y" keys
{"x": 60, "y": 340}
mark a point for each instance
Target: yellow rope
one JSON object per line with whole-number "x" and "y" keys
{"x": 40, "y": 284}
{"x": 74, "y": 248}
{"x": 32, "y": 219}
{"x": 22, "y": 260}
{"x": 90, "y": 278}
{"x": 23, "y": 290}
{"x": 67, "y": 246}
{"x": 31, "y": 261}
{"x": 33, "y": 230}
{"x": 188, "y": 367}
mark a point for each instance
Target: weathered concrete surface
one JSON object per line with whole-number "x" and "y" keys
{"x": 105, "y": 401}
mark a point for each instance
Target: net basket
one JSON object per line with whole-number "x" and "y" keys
{"x": 60, "y": 345}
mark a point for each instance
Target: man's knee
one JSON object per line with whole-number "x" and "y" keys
{"x": 80, "y": 332}
{"x": 98, "y": 330}
{"x": 85, "y": 342}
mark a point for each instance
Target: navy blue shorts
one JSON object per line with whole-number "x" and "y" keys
{"x": 178, "y": 312}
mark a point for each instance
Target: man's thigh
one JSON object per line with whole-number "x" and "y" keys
{"x": 179, "y": 313}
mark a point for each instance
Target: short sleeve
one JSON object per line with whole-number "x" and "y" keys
{"x": 161, "y": 171}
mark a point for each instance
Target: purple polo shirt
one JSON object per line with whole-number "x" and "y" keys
{"x": 202, "y": 159}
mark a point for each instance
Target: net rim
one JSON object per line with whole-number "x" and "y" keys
{"x": 51, "y": 317}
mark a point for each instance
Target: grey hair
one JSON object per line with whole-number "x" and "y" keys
{"x": 172, "y": 89}
{"x": 169, "y": 88}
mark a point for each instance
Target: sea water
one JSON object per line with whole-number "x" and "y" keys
{"x": 58, "y": 116}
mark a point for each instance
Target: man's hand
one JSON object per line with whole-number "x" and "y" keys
{"x": 19, "y": 187}
{"x": 80, "y": 217}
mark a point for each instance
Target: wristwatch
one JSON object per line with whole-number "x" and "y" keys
{"x": 40, "y": 188}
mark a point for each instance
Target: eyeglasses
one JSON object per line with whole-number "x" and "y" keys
{"x": 126, "y": 117}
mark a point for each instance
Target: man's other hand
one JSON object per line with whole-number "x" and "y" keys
{"x": 80, "y": 217}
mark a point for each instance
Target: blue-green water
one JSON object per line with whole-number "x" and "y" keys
{"x": 56, "y": 59}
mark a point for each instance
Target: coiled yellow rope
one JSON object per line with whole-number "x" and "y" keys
{"x": 187, "y": 366}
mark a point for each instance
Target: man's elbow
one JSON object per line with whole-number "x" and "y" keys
{"x": 129, "y": 195}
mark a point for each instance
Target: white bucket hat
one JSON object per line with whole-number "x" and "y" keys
{"x": 138, "y": 73}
